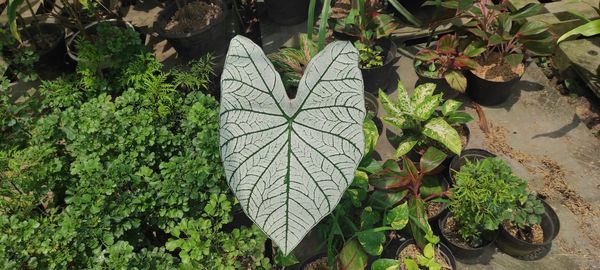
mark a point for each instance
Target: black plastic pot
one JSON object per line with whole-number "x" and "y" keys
{"x": 486, "y": 92}
{"x": 287, "y": 12}
{"x": 443, "y": 248}
{"x": 54, "y": 55}
{"x": 434, "y": 219}
{"x": 379, "y": 77}
{"x": 470, "y": 155}
{"x": 371, "y": 102}
{"x": 522, "y": 249}
{"x": 213, "y": 38}
{"x": 469, "y": 255}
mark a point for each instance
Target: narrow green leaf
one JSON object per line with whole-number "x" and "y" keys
{"x": 532, "y": 28}
{"x": 389, "y": 106}
{"x": 397, "y": 218}
{"x": 589, "y": 29}
{"x": 526, "y": 11}
{"x": 459, "y": 118}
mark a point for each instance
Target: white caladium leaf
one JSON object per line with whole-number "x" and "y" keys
{"x": 289, "y": 161}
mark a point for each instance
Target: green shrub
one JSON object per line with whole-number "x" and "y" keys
{"x": 484, "y": 195}
{"x": 127, "y": 180}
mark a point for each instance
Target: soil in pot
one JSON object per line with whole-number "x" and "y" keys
{"x": 434, "y": 208}
{"x": 192, "y": 17}
{"x": 494, "y": 68}
{"x": 318, "y": 264}
{"x": 412, "y": 251}
{"x": 533, "y": 234}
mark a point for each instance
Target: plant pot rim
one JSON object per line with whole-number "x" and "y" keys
{"x": 551, "y": 215}
{"x": 165, "y": 15}
{"x": 490, "y": 242}
{"x": 445, "y": 249}
{"x": 70, "y": 52}
{"x": 511, "y": 80}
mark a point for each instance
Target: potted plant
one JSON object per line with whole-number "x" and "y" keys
{"x": 46, "y": 39}
{"x": 423, "y": 187}
{"x": 467, "y": 155}
{"x": 422, "y": 125}
{"x": 194, "y": 27}
{"x": 483, "y": 196}
{"x": 501, "y": 38}
{"x": 444, "y": 65}
{"x": 530, "y": 228}
{"x": 410, "y": 256}
{"x": 363, "y": 23}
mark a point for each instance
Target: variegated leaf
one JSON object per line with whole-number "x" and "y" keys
{"x": 407, "y": 142}
{"x": 388, "y": 105}
{"x": 438, "y": 129}
{"x": 425, "y": 109}
{"x": 421, "y": 92}
{"x": 450, "y": 106}
{"x": 399, "y": 122}
{"x": 289, "y": 161}
{"x": 403, "y": 99}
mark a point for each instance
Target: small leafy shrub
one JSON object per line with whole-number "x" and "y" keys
{"x": 445, "y": 61}
{"x": 130, "y": 180}
{"x": 369, "y": 57}
{"x": 485, "y": 194}
{"x": 528, "y": 213}
{"x": 419, "y": 121}
{"x": 20, "y": 57}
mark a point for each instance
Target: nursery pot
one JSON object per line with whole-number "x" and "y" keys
{"x": 54, "y": 53}
{"x": 371, "y": 102}
{"x": 441, "y": 85}
{"x": 470, "y": 155}
{"x": 90, "y": 28}
{"x": 518, "y": 248}
{"x": 287, "y": 12}
{"x": 446, "y": 252}
{"x": 486, "y": 92}
{"x": 445, "y": 186}
{"x": 212, "y": 38}
{"x": 379, "y": 77}
{"x": 467, "y": 254}
{"x": 312, "y": 259}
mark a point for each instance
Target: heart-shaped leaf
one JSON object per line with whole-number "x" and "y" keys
{"x": 289, "y": 161}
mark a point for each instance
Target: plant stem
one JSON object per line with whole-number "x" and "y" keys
{"x": 311, "y": 19}
{"x": 323, "y": 24}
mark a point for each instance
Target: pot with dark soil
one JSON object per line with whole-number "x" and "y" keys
{"x": 48, "y": 40}
{"x": 315, "y": 262}
{"x": 377, "y": 77}
{"x": 442, "y": 255}
{"x": 528, "y": 234}
{"x": 468, "y": 155}
{"x": 195, "y": 27}
{"x": 464, "y": 250}
{"x": 288, "y": 12}
{"x": 247, "y": 17}
{"x": 103, "y": 31}
{"x": 491, "y": 83}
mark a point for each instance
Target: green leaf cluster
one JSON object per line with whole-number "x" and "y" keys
{"x": 484, "y": 195}
{"x": 129, "y": 179}
{"x": 419, "y": 121}
{"x": 19, "y": 57}
{"x": 528, "y": 213}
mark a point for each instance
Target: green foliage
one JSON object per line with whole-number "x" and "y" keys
{"x": 528, "y": 213}
{"x": 20, "y": 57}
{"x": 369, "y": 57}
{"x": 588, "y": 29}
{"x": 426, "y": 260}
{"x": 198, "y": 75}
{"x": 291, "y": 62}
{"x": 419, "y": 121}
{"x": 363, "y": 20}
{"x": 118, "y": 181}
{"x": 445, "y": 61}
{"x": 484, "y": 195}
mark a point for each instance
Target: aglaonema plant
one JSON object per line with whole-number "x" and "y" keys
{"x": 413, "y": 184}
{"x": 446, "y": 61}
{"x": 288, "y": 161}
{"x": 416, "y": 116}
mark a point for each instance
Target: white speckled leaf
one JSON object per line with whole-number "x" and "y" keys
{"x": 439, "y": 130}
{"x": 289, "y": 161}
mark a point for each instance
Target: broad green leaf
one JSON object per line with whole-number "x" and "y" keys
{"x": 532, "y": 28}
{"x": 421, "y": 93}
{"x": 431, "y": 185}
{"x": 495, "y": 39}
{"x": 456, "y": 80}
{"x": 385, "y": 200}
{"x": 368, "y": 218}
{"x": 352, "y": 256}
{"x": 429, "y": 251}
{"x": 399, "y": 121}
{"x": 438, "y": 129}
{"x": 425, "y": 109}
{"x": 426, "y": 55}
{"x": 462, "y": 61}
{"x": 410, "y": 264}
{"x": 472, "y": 51}
{"x": 284, "y": 260}
{"x": 371, "y": 134}
{"x": 505, "y": 21}
{"x": 432, "y": 158}
{"x": 478, "y": 32}
{"x": 372, "y": 241}
{"x": 514, "y": 59}
{"x": 459, "y": 118}
{"x": 403, "y": 99}
{"x": 419, "y": 225}
{"x": 407, "y": 142}
{"x": 589, "y": 29}
{"x": 449, "y": 106}
{"x": 302, "y": 152}
{"x": 386, "y": 264}
{"x": 397, "y": 217}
